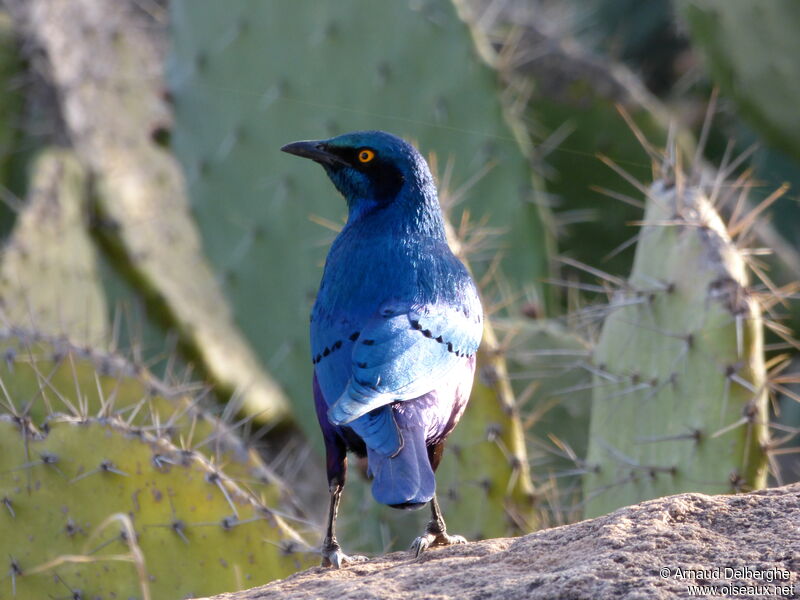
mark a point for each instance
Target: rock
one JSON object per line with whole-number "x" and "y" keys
{"x": 643, "y": 551}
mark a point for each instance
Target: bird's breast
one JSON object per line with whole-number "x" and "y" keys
{"x": 362, "y": 272}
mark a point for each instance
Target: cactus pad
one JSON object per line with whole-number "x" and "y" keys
{"x": 48, "y": 275}
{"x": 67, "y": 492}
{"x": 46, "y": 377}
{"x": 680, "y": 399}
{"x": 113, "y": 117}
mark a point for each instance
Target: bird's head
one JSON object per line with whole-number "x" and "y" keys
{"x": 371, "y": 169}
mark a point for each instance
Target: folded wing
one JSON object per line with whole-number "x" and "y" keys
{"x": 403, "y": 352}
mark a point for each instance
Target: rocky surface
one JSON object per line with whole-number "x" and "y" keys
{"x": 645, "y": 551}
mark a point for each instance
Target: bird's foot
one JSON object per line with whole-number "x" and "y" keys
{"x": 332, "y": 556}
{"x": 431, "y": 538}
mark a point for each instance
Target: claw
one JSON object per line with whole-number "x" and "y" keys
{"x": 424, "y": 542}
{"x": 334, "y": 557}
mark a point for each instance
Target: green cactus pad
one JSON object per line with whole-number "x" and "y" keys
{"x": 412, "y": 71}
{"x": 46, "y": 377}
{"x": 114, "y": 118}
{"x": 48, "y": 274}
{"x": 679, "y": 401}
{"x": 69, "y": 492}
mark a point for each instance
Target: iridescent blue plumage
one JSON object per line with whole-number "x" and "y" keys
{"x": 395, "y": 326}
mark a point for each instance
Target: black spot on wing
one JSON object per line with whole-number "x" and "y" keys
{"x": 327, "y": 351}
{"x": 415, "y": 324}
{"x": 440, "y": 339}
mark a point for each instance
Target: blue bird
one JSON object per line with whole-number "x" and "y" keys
{"x": 394, "y": 330}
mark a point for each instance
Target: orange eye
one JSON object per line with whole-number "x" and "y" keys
{"x": 365, "y": 155}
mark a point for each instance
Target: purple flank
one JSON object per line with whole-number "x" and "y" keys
{"x": 423, "y": 422}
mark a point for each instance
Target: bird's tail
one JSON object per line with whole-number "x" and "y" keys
{"x": 405, "y": 480}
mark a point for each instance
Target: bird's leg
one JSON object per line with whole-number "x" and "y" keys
{"x": 435, "y": 532}
{"x": 332, "y": 555}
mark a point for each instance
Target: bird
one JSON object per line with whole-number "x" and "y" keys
{"x": 395, "y": 329}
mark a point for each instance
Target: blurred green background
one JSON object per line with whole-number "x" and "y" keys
{"x": 161, "y": 257}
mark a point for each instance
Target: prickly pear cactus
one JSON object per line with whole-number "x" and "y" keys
{"x": 680, "y": 399}
{"x": 750, "y": 48}
{"x": 46, "y": 377}
{"x": 95, "y": 509}
{"x": 266, "y": 219}
{"x": 114, "y": 119}
{"x": 48, "y": 274}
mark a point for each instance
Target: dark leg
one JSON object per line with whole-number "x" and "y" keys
{"x": 332, "y": 555}
{"x": 336, "y": 454}
{"x": 435, "y": 533}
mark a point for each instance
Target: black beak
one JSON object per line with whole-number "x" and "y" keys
{"x": 316, "y": 151}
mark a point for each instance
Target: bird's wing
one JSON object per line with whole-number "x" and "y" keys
{"x": 403, "y": 352}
